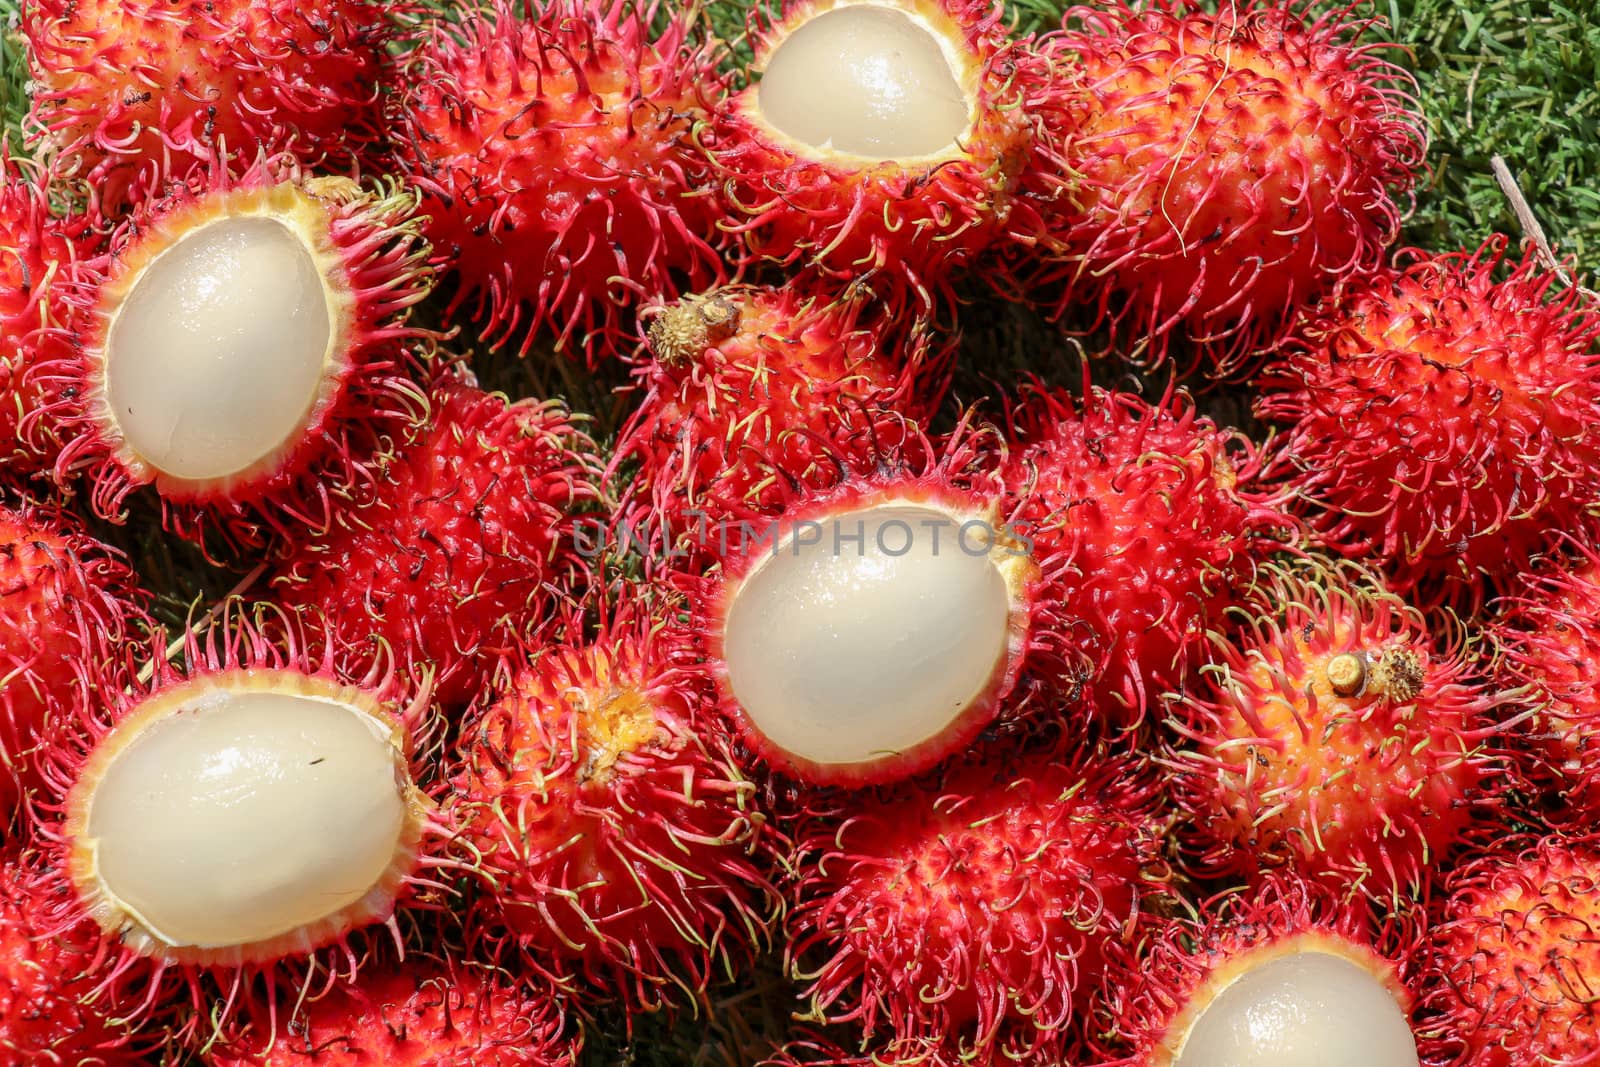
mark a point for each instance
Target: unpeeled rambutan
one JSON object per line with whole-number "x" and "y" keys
{"x": 1213, "y": 171}
{"x": 1515, "y": 962}
{"x": 1148, "y": 522}
{"x": 422, "y": 1014}
{"x": 241, "y": 816}
{"x": 67, "y": 605}
{"x": 446, "y": 562}
{"x": 556, "y": 156}
{"x": 873, "y": 627}
{"x": 244, "y": 349}
{"x": 880, "y": 141}
{"x": 623, "y": 841}
{"x": 143, "y": 89}
{"x": 966, "y": 920}
{"x": 751, "y": 388}
{"x": 1445, "y": 419}
{"x": 1337, "y": 735}
{"x": 1281, "y": 976}
{"x": 48, "y": 1014}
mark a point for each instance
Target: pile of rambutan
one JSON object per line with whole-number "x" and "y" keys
{"x": 862, "y": 532}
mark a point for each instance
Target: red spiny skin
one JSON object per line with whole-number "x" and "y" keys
{"x": 968, "y": 919}
{"x": 904, "y": 228}
{"x": 1154, "y": 988}
{"x": 750, "y": 388}
{"x": 1548, "y": 640}
{"x": 625, "y": 845}
{"x": 1515, "y": 962}
{"x": 47, "y": 1015}
{"x": 1446, "y": 418}
{"x": 370, "y": 246}
{"x": 1337, "y": 737}
{"x": 67, "y": 606}
{"x": 142, "y": 89}
{"x": 1148, "y": 523}
{"x": 447, "y": 562}
{"x": 416, "y": 1015}
{"x": 1213, "y": 172}
{"x": 34, "y": 251}
{"x": 556, "y": 155}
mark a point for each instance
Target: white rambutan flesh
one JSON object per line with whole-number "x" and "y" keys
{"x": 867, "y": 80}
{"x": 1301, "y": 1009}
{"x": 868, "y": 633}
{"x": 216, "y": 356}
{"x": 244, "y": 811}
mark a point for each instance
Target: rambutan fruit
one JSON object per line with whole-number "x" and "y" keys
{"x": 1546, "y": 640}
{"x": 874, "y": 627}
{"x": 556, "y": 152}
{"x": 1281, "y": 976}
{"x": 1217, "y": 170}
{"x": 67, "y": 605}
{"x": 965, "y": 920}
{"x": 48, "y": 1014}
{"x": 881, "y": 140}
{"x": 1148, "y": 523}
{"x": 749, "y": 387}
{"x": 1337, "y": 735}
{"x": 240, "y": 818}
{"x": 423, "y": 1014}
{"x": 624, "y": 843}
{"x": 244, "y": 349}
{"x": 1515, "y": 962}
{"x": 445, "y": 563}
{"x": 140, "y": 90}
{"x": 1445, "y": 419}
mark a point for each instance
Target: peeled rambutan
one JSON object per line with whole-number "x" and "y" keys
{"x": 967, "y": 919}
{"x": 445, "y": 564}
{"x": 1515, "y": 961}
{"x": 872, "y": 628}
{"x": 1337, "y": 735}
{"x": 748, "y": 388}
{"x": 1445, "y": 419}
{"x": 423, "y": 1014}
{"x": 1281, "y": 975}
{"x": 241, "y": 817}
{"x": 881, "y": 140}
{"x": 1217, "y": 170}
{"x": 142, "y": 89}
{"x": 1547, "y": 640}
{"x": 556, "y": 154}
{"x": 1148, "y": 523}
{"x": 244, "y": 349}
{"x": 67, "y": 605}
{"x": 48, "y": 1014}
{"x": 623, "y": 842}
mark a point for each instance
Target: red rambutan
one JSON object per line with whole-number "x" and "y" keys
{"x": 621, "y": 839}
{"x": 239, "y": 818}
{"x": 142, "y": 89}
{"x": 880, "y": 141}
{"x": 1147, "y": 523}
{"x": 1281, "y": 976}
{"x": 1446, "y": 418}
{"x": 244, "y": 349}
{"x": 447, "y": 561}
{"x": 1516, "y": 963}
{"x": 1216, "y": 171}
{"x": 67, "y": 605}
{"x": 418, "y": 1015}
{"x": 1337, "y": 735}
{"x": 966, "y": 920}
{"x": 556, "y": 154}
